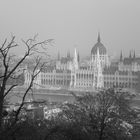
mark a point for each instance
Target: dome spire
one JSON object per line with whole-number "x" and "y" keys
{"x": 99, "y": 39}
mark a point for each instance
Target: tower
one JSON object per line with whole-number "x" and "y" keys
{"x": 58, "y": 56}
{"x": 104, "y": 60}
{"x": 78, "y": 57}
{"x": 134, "y": 56}
{"x": 130, "y": 55}
{"x": 68, "y": 54}
{"x": 75, "y": 60}
{"x": 121, "y": 56}
{"x": 74, "y": 68}
{"x": 98, "y": 76}
{"x": 99, "y": 39}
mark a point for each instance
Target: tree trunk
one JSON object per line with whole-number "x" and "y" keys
{"x": 1, "y": 109}
{"x": 1, "y": 105}
{"x": 102, "y": 128}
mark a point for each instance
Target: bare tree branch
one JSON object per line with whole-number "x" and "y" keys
{"x": 36, "y": 70}
{"x": 7, "y": 92}
{"x": 10, "y": 66}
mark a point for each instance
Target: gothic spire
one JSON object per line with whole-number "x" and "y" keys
{"x": 68, "y": 54}
{"x": 121, "y": 56}
{"x": 98, "y": 55}
{"x": 75, "y": 60}
{"x": 75, "y": 54}
{"x": 98, "y": 72}
{"x": 78, "y": 57}
{"x": 134, "y": 56}
{"x": 130, "y": 55}
{"x": 99, "y": 39}
{"x": 58, "y": 56}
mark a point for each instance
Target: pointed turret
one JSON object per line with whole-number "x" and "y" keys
{"x": 134, "y": 56}
{"x": 78, "y": 57}
{"x": 58, "y": 56}
{"x": 121, "y": 56}
{"x": 75, "y": 60}
{"x": 68, "y": 54}
{"x": 130, "y": 55}
{"x": 98, "y": 55}
{"x": 99, "y": 39}
{"x": 98, "y": 76}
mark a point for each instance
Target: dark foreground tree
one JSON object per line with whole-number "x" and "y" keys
{"x": 11, "y": 65}
{"x": 107, "y": 115}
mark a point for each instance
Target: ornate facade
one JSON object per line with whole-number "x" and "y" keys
{"x": 131, "y": 63}
{"x": 97, "y": 73}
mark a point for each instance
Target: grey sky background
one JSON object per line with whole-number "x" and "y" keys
{"x": 74, "y": 23}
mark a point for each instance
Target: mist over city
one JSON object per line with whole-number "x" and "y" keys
{"x": 69, "y": 70}
{"x": 74, "y": 23}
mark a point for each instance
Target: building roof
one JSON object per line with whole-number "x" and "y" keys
{"x": 48, "y": 69}
{"x": 129, "y": 61}
{"x": 100, "y": 46}
{"x": 112, "y": 70}
{"x": 62, "y": 71}
{"x": 65, "y": 60}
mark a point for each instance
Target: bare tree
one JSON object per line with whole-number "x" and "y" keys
{"x": 10, "y": 65}
{"x": 107, "y": 114}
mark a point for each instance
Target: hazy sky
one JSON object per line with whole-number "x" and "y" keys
{"x": 74, "y": 23}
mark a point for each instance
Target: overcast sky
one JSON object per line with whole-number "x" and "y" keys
{"x": 74, "y": 23}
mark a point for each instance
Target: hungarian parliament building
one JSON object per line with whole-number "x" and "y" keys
{"x": 94, "y": 73}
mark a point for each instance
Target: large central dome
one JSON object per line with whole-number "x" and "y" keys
{"x": 100, "y": 46}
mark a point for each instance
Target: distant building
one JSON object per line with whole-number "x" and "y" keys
{"x": 96, "y": 73}
{"x": 113, "y": 77}
{"x": 131, "y": 63}
{"x": 103, "y": 56}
